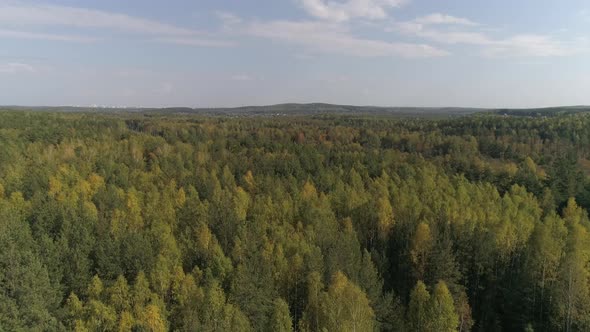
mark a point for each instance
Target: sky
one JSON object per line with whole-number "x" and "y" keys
{"x": 222, "y": 53}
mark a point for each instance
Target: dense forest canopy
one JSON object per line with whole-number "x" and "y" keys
{"x": 151, "y": 222}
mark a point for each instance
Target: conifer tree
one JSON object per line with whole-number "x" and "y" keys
{"x": 443, "y": 315}
{"x": 419, "y": 309}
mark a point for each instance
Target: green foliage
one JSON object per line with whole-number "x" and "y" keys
{"x": 150, "y": 222}
{"x": 280, "y": 319}
{"x": 28, "y": 300}
{"x": 419, "y": 309}
{"x": 443, "y": 315}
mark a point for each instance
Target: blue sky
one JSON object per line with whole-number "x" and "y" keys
{"x": 501, "y": 53}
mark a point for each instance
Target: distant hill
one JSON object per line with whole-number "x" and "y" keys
{"x": 546, "y": 111}
{"x": 320, "y": 108}
{"x": 314, "y": 109}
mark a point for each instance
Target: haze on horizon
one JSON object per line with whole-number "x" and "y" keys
{"x": 361, "y": 52}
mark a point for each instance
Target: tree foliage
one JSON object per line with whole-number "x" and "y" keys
{"x": 170, "y": 222}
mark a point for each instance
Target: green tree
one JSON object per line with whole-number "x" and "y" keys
{"x": 345, "y": 307}
{"x": 140, "y": 293}
{"x": 151, "y": 319}
{"x": 101, "y": 317}
{"x": 421, "y": 245}
{"x": 419, "y": 313}
{"x": 95, "y": 288}
{"x": 280, "y": 320}
{"x": 443, "y": 315}
{"x": 311, "y": 316}
{"x": 27, "y": 296}
{"x": 126, "y": 322}
{"x": 572, "y": 291}
{"x": 119, "y": 295}
{"x": 74, "y": 310}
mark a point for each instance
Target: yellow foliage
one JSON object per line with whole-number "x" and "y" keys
{"x": 117, "y": 223}
{"x": 95, "y": 288}
{"x": 249, "y": 180}
{"x": 346, "y": 307}
{"x": 134, "y": 219}
{"x": 180, "y": 197}
{"x": 511, "y": 169}
{"x": 421, "y": 245}
{"x": 126, "y": 322}
{"x": 55, "y": 188}
{"x": 385, "y": 217}
{"x": 204, "y": 237}
{"x": 347, "y": 225}
{"x": 152, "y": 319}
{"x": 96, "y": 182}
{"x": 79, "y": 326}
{"x": 309, "y": 191}
{"x": 241, "y": 202}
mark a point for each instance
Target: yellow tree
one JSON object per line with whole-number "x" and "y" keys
{"x": 119, "y": 296}
{"x": 311, "y": 316}
{"x": 419, "y": 308}
{"x": 126, "y": 322}
{"x": 280, "y": 320}
{"x": 420, "y": 249}
{"x": 95, "y": 288}
{"x": 443, "y": 315}
{"x": 345, "y": 307}
{"x": 151, "y": 319}
{"x": 572, "y": 291}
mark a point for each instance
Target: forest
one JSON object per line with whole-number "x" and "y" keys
{"x": 325, "y": 222}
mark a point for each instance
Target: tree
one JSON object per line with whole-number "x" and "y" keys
{"x": 464, "y": 313}
{"x": 385, "y": 218}
{"x": 280, "y": 320}
{"x": 572, "y": 292}
{"x": 126, "y": 322}
{"x": 311, "y": 316}
{"x": 443, "y": 315}
{"x": 419, "y": 314}
{"x": 27, "y": 296}
{"x": 133, "y": 216}
{"x": 345, "y": 307}
{"x": 151, "y": 319}
{"x": 74, "y": 310}
{"x": 218, "y": 315}
{"x": 140, "y": 293}
{"x": 421, "y": 244}
{"x": 101, "y": 317}
{"x": 119, "y": 294}
{"x": 545, "y": 251}
{"x": 95, "y": 288}
{"x": 311, "y": 223}
{"x": 565, "y": 178}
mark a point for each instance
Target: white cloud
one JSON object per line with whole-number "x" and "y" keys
{"x": 16, "y": 67}
{"x": 531, "y": 45}
{"x": 442, "y": 36}
{"x": 242, "y": 78}
{"x": 325, "y": 37}
{"x": 345, "y": 10}
{"x": 228, "y": 18}
{"x": 335, "y": 39}
{"x": 518, "y": 45}
{"x": 52, "y": 15}
{"x": 14, "y": 16}
{"x": 195, "y": 41}
{"x": 43, "y": 36}
{"x": 438, "y": 18}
